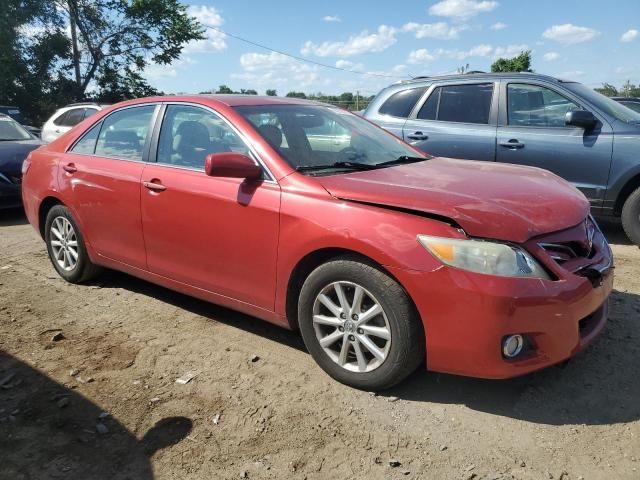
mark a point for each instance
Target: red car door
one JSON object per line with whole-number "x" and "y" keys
{"x": 100, "y": 181}
{"x": 217, "y": 234}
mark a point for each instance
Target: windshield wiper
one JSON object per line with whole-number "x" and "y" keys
{"x": 403, "y": 159}
{"x": 337, "y": 165}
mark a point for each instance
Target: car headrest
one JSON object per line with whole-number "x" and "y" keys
{"x": 272, "y": 135}
{"x": 191, "y": 135}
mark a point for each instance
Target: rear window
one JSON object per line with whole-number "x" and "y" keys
{"x": 400, "y": 104}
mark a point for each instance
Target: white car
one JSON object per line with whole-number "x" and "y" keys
{"x": 66, "y": 118}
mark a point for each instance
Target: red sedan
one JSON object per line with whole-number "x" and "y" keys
{"x": 312, "y": 218}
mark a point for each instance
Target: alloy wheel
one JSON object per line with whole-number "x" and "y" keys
{"x": 351, "y": 326}
{"x": 64, "y": 243}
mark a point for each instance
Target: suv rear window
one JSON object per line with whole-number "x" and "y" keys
{"x": 400, "y": 104}
{"x": 459, "y": 103}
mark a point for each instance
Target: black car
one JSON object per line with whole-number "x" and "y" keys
{"x": 631, "y": 102}
{"x": 15, "y": 144}
{"x": 18, "y": 116}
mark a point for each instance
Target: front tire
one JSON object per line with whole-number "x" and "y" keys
{"x": 359, "y": 325}
{"x": 631, "y": 217}
{"x": 66, "y": 247}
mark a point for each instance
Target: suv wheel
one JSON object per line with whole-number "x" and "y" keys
{"x": 631, "y": 216}
{"x": 66, "y": 248}
{"x": 359, "y": 325}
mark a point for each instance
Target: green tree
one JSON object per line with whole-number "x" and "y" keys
{"x": 271, "y": 93}
{"x": 110, "y": 43}
{"x": 294, "y": 94}
{"x": 32, "y": 57}
{"x": 248, "y": 92}
{"x": 224, "y": 89}
{"x": 519, "y": 63}
{"x": 608, "y": 90}
{"x": 124, "y": 36}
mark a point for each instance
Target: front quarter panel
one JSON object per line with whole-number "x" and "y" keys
{"x": 312, "y": 220}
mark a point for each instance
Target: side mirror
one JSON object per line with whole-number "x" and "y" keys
{"x": 581, "y": 118}
{"x": 232, "y": 165}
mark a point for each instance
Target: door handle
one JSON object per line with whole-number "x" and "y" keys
{"x": 512, "y": 144}
{"x": 418, "y": 136}
{"x": 154, "y": 185}
{"x": 70, "y": 168}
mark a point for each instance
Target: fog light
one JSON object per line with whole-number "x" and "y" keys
{"x": 512, "y": 345}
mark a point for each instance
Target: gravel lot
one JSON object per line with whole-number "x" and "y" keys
{"x": 88, "y": 391}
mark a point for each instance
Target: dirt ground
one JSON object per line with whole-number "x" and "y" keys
{"x": 88, "y": 391}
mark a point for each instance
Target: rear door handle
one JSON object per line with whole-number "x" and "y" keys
{"x": 154, "y": 185}
{"x": 418, "y": 136}
{"x": 512, "y": 144}
{"x": 70, "y": 168}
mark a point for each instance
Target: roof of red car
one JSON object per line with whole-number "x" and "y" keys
{"x": 230, "y": 100}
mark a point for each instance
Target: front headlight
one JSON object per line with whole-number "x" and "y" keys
{"x": 483, "y": 257}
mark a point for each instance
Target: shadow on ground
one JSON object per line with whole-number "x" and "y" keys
{"x": 50, "y": 431}
{"x": 113, "y": 279}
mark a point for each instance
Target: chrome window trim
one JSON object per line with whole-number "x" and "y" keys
{"x": 254, "y": 154}
{"x": 145, "y": 146}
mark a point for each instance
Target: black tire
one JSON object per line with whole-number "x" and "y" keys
{"x": 83, "y": 270}
{"x": 407, "y": 348}
{"x": 631, "y": 217}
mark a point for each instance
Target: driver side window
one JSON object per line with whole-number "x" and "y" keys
{"x": 188, "y": 134}
{"x": 535, "y": 106}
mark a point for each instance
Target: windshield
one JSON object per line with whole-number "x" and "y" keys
{"x": 11, "y": 130}
{"x": 319, "y": 139}
{"x": 608, "y": 106}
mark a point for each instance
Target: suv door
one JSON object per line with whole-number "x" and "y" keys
{"x": 99, "y": 179}
{"x": 455, "y": 120}
{"x": 532, "y": 132}
{"x": 217, "y": 234}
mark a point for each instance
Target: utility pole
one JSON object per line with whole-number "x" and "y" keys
{"x": 357, "y": 100}
{"x": 74, "y": 43}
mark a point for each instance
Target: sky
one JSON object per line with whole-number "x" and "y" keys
{"x": 381, "y": 42}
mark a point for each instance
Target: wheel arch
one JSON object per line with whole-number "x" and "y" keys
{"x": 47, "y": 204}
{"x": 314, "y": 259}
{"x": 629, "y": 187}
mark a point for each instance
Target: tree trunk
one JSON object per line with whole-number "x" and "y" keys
{"x": 74, "y": 46}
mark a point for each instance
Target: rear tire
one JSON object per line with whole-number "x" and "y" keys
{"x": 631, "y": 216}
{"x": 66, "y": 246}
{"x": 355, "y": 347}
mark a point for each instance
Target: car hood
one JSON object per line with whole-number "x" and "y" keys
{"x": 487, "y": 199}
{"x": 12, "y": 154}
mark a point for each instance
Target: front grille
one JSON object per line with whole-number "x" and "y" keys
{"x": 563, "y": 252}
{"x": 572, "y": 245}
